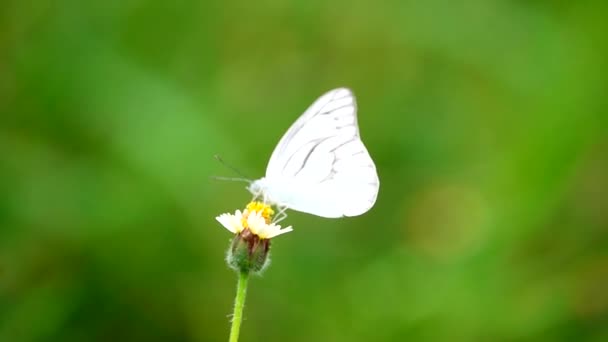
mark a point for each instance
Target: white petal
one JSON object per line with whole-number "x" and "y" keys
{"x": 231, "y": 222}
{"x": 276, "y": 231}
{"x": 257, "y": 223}
{"x": 258, "y": 226}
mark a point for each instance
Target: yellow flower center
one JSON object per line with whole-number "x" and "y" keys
{"x": 264, "y": 209}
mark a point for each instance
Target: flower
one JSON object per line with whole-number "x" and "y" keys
{"x": 256, "y": 218}
{"x": 254, "y": 229}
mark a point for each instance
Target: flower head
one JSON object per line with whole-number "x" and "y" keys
{"x": 257, "y": 218}
{"x": 254, "y": 229}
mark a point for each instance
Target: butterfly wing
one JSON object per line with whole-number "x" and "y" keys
{"x": 321, "y": 166}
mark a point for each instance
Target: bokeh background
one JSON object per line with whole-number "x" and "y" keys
{"x": 486, "y": 119}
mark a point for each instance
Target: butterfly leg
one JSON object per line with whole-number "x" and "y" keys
{"x": 281, "y": 215}
{"x": 257, "y": 195}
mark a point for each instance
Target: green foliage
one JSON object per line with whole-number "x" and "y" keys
{"x": 486, "y": 119}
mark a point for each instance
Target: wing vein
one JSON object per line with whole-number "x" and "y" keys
{"x": 335, "y": 109}
{"x": 309, "y": 154}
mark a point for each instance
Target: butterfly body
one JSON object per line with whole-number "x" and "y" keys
{"x": 321, "y": 166}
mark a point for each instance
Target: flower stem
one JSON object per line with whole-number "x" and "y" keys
{"x": 239, "y": 303}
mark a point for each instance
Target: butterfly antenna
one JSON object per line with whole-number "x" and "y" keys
{"x": 235, "y": 170}
{"x": 234, "y": 179}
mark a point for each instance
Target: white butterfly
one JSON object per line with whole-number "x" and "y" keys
{"x": 321, "y": 166}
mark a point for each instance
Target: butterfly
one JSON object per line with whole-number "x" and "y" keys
{"x": 320, "y": 166}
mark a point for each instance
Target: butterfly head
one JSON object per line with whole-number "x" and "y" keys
{"x": 258, "y": 187}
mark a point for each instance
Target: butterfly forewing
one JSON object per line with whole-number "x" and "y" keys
{"x": 321, "y": 164}
{"x": 317, "y": 122}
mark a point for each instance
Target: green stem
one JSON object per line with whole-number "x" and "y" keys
{"x": 239, "y": 303}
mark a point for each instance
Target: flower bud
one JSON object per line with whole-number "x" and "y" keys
{"x": 248, "y": 252}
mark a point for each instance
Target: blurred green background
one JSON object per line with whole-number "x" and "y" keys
{"x": 486, "y": 119}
